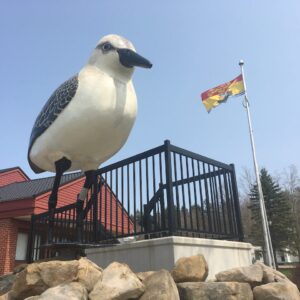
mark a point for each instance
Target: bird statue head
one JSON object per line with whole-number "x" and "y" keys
{"x": 116, "y": 56}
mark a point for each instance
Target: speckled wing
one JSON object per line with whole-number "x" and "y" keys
{"x": 58, "y": 101}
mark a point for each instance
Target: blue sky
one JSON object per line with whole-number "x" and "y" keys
{"x": 193, "y": 45}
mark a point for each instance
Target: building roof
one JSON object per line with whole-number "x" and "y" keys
{"x": 14, "y": 168}
{"x": 8, "y": 169}
{"x": 32, "y": 188}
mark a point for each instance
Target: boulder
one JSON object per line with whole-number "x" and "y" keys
{"x": 143, "y": 275}
{"x": 118, "y": 283}
{"x": 6, "y": 282}
{"x": 57, "y": 272}
{"x": 6, "y": 296}
{"x": 252, "y": 274}
{"x": 160, "y": 286}
{"x": 190, "y": 269}
{"x": 88, "y": 273}
{"x": 283, "y": 290}
{"x": 270, "y": 275}
{"x": 28, "y": 283}
{"x": 38, "y": 277}
{"x": 19, "y": 268}
{"x": 65, "y": 291}
{"x": 214, "y": 291}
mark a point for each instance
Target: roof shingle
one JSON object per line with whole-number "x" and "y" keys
{"x": 32, "y": 188}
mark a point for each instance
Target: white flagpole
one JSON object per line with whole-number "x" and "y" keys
{"x": 266, "y": 232}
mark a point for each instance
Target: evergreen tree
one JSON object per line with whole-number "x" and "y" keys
{"x": 278, "y": 211}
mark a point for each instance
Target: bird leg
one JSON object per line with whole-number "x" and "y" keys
{"x": 61, "y": 166}
{"x": 90, "y": 177}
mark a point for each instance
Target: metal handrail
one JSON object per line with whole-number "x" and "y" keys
{"x": 200, "y": 157}
{"x": 181, "y": 192}
{"x": 131, "y": 159}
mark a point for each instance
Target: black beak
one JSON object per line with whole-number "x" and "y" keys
{"x": 129, "y": 59}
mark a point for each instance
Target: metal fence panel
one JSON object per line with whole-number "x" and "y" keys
{"x": 163, "y": 191}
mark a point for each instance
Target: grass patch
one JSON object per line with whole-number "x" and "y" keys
{"x": 289, "y": 273}
{"x": 292, "y": 274}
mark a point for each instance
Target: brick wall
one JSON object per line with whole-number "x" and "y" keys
{"x": 8, "y": 242}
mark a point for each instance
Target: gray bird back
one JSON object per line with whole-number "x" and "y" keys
{"x": 58, "y": 101}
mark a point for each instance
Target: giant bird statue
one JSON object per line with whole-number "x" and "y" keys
{"x": 89, "y": 117}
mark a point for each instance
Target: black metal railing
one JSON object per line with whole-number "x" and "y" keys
{"x": 163, "y": 191}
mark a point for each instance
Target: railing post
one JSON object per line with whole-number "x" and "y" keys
{"x": 162, "y": 207}
{"x": 172, "y": 225}
{"x": 79, "y": 219}
{"x": 30, "y": 246}
{"x": 50, "y": 225}
{"x": 95, "y": 208}
{"x": 236, "y": 204}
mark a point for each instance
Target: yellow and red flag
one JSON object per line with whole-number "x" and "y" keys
{"x": 217, "y": 95}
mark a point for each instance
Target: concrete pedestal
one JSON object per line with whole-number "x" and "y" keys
{"x": 162, "y": 253}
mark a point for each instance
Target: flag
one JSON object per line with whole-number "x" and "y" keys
{"x": 213, "y": 97}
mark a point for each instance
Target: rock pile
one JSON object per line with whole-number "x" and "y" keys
{"x": 83, "y": 280}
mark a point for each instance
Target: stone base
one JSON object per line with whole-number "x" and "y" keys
{"x": 64, "y": 251}
{"x": 162, "y": 253}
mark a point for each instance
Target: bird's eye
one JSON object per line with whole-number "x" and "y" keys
{"x": 107, "y": 47}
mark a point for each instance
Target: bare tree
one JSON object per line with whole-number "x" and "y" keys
{"x": 290, "y": 179}
{"x": 291, "y": 182}
{"x": 246, "y": 181}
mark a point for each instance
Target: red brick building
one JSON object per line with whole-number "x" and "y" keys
{"x": 21, "y": 197}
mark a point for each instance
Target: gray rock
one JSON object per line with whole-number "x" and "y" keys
{"x": 118, "y": 283}
{"x": 19, "y": 268}
{"x": 6, "y": 282}
{"x": 188, "y": 269}
{"x": 160, "y": 286}
{"x": 283, "y": 290}
{"x": 88, "y": 273}
{"x": 38, "y": 277}
{"x": 214, "y": 291}
{"x": 252, "y": 274}
{"x": 66, "y": 291}
{"x": 28, "y": 283}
